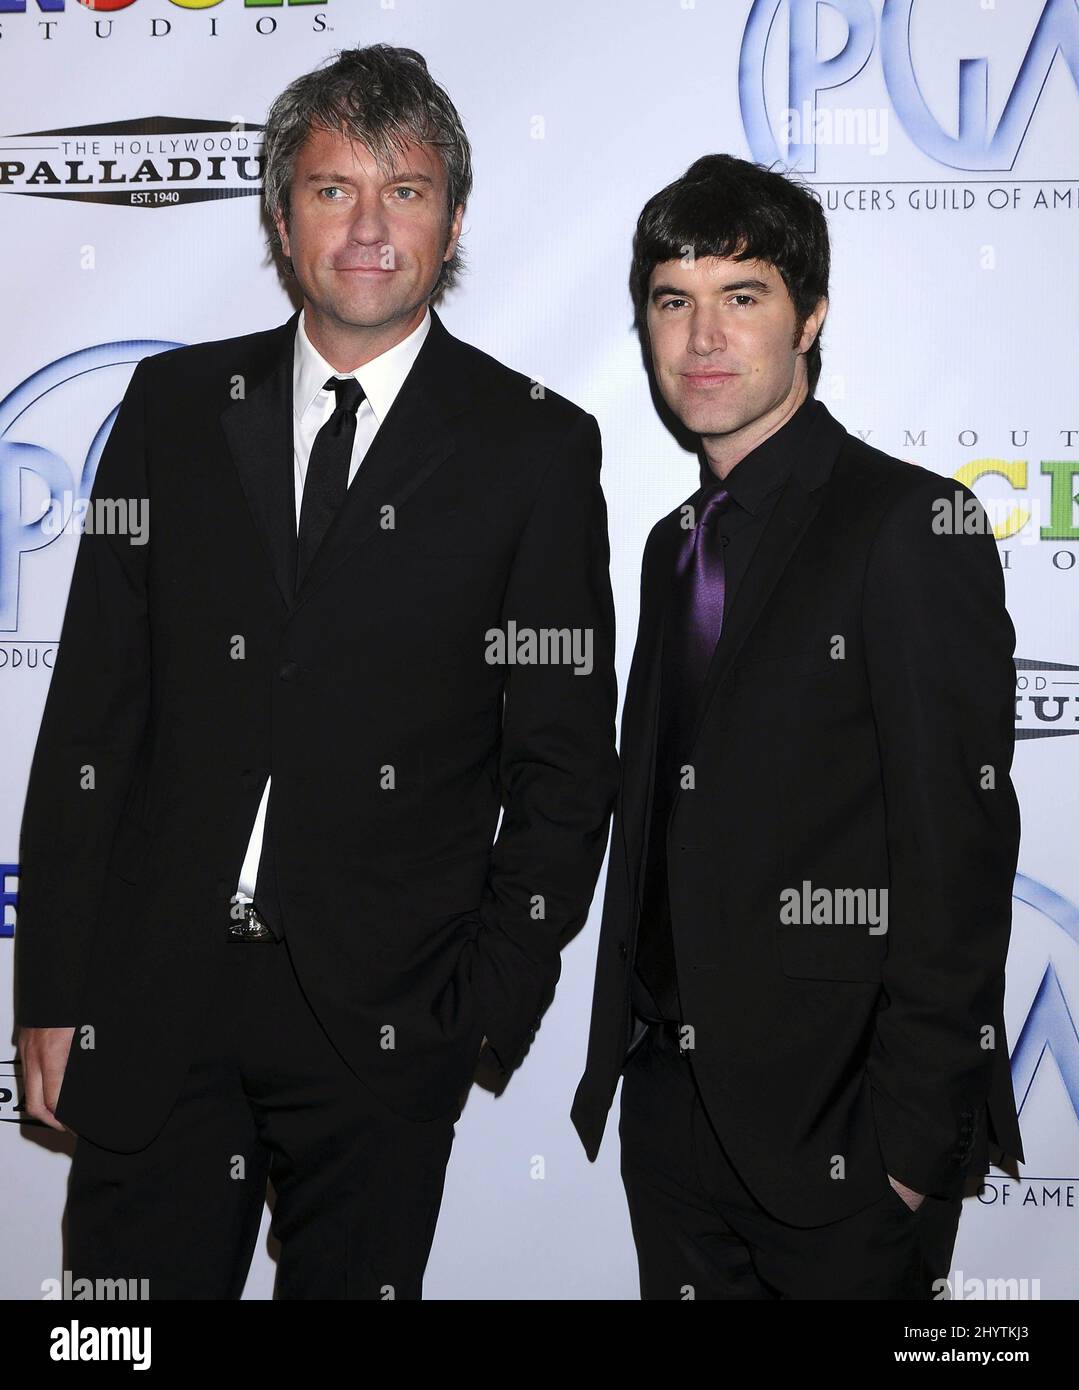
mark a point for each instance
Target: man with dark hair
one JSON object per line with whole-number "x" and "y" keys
{"x": 279, "y": 736}
{"x": 801, "y": 963}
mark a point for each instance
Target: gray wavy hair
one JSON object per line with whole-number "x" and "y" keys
{"x": 382, "y": 97}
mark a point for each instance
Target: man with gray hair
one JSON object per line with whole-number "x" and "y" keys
{"x": 274, "y": 751}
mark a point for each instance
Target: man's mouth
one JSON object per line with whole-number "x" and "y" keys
{"x": 708, "y": 379}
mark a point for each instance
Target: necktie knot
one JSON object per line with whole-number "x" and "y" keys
{"x": 349, "y": 394}
{"x": 712, "y": 502}
{"x": 710, "y": 505}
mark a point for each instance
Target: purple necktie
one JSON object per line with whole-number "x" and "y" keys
{"x": 691, "y": 628}
{"x": 700, "y": 585}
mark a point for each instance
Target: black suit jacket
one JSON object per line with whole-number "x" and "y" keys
{"x": 188, "y": 671}
{"x": 828, "y": 1056}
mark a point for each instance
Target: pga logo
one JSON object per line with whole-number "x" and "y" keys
{"x": 976, "y": 145}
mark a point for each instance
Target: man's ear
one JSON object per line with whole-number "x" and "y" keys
{"x": 455, "y": 230}
{"x": 813, "y": 325}
{"x": 282, "y": 232}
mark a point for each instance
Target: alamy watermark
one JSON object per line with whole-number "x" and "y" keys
{"x": 544, "y": 646}
{"x": 828, "y": 907}
{"x": 127, "y": 1290}
{"x": 108, "y": 516}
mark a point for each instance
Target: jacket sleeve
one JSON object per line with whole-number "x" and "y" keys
{"x": 939, "y": 650}
{"x": 93, "y": 722}
{"x": 558, "y": 765}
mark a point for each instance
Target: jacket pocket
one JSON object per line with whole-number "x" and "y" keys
{"x": 781, "y": 669}
{"x": 816, "y": 952}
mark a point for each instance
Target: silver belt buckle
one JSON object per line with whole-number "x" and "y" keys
{"x": 251, "y": 928}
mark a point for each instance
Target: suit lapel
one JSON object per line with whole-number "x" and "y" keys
{"x": 641, "y": 714}
{"x": 791, "y": 517}
{"x": 408, "y": 446}
{"x": 258, "y": 429}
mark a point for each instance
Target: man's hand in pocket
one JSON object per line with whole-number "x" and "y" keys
{"x": 44, "y": 1053}
{"x": 913, "y": 1199}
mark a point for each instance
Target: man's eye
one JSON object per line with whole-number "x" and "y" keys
{"x": 670, "y": 303}
{"x": 747, "y": 297}
{"x": 332, "y": 187}
{"x": 411, "y": 191}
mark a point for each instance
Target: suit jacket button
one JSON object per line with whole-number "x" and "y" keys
{"x": 289, "y": 671}
{"x": 622, "y": 949}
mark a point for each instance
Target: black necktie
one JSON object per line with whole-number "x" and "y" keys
{"x": 323, "y": 492}
{"x": 327, "y": 471}
{"x": 691, "y": 629}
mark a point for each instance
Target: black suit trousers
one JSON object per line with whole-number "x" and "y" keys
{"x": 358, "y": 1188}
{"x": 701, "y": 1234}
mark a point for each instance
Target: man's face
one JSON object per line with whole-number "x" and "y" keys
{"x": 366, "y": 244}
{"x": 723, "y": 340}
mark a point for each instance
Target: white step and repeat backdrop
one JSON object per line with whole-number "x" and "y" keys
{"x": 943, "y": 139}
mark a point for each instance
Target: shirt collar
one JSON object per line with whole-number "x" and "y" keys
{"x": 381, "y": 378}
{"x": 768, "y": 466}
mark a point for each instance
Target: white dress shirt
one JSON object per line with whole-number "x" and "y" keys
{"x": 381, "y": 379}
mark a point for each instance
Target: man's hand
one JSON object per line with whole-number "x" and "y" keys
{"x": 913, "y": 1199}
{"x": 44, "y": 1053}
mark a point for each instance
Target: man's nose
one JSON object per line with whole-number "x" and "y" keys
{"x": 706, "y": 335}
